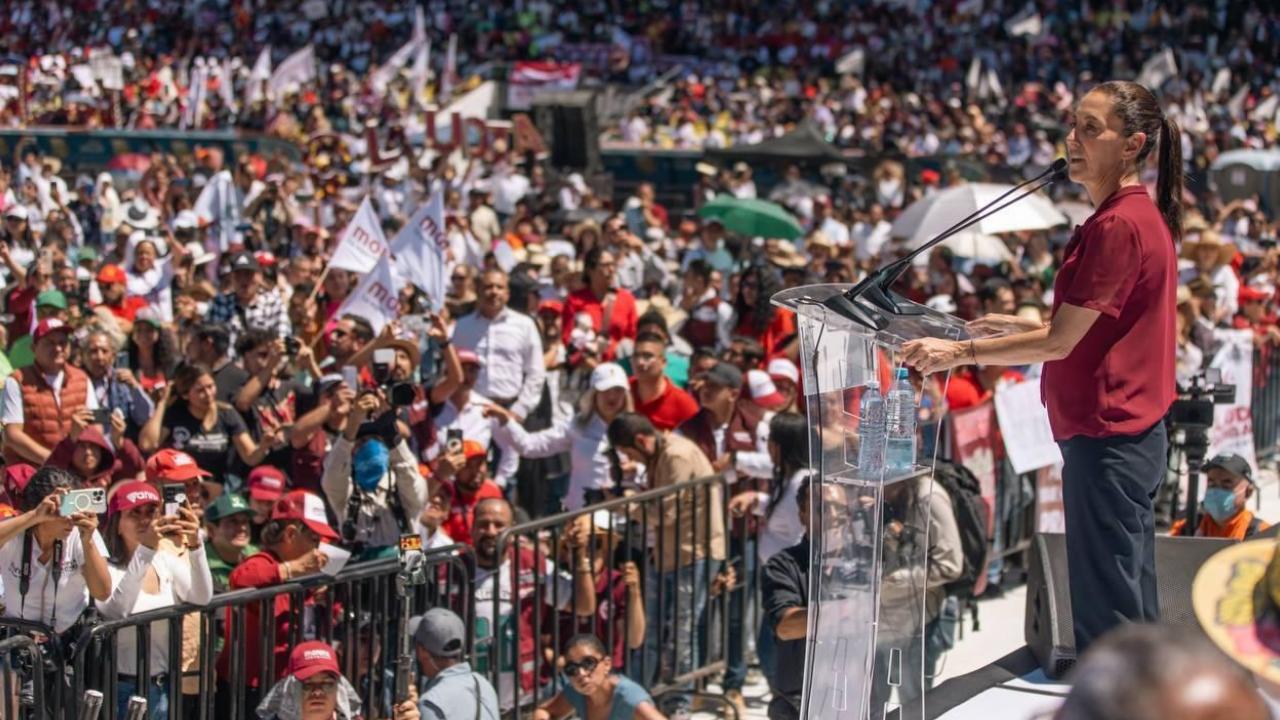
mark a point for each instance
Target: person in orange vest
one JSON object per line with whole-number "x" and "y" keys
{"x": 1228, "y": 487}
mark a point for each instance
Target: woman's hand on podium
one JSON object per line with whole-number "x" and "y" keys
{"x": 997, "y": 324}
{"x": 930, "y": 355}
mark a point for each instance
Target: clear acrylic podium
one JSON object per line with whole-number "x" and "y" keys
{"x": 869, "y": 535}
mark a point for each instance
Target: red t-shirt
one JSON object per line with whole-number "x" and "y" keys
{"x": 622, "y": 323}
{"x": 669, "y": 409}
{"x": 780, "y": 331}
{"x": 462, "y": 512}
{"x": 260, "y": 570}
{"x": 128, "y": 308}
{"x": 21, "y": 303}
{"x": 1119, "y": 379}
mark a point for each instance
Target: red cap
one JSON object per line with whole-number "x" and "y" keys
{"x": 48, "y": 327}
{"x": 111, "y": 274}
{"x": 309, "y": 509}
{"x": 16, "y": 477}
{"x": 551, "y": 306}
{"x": 1251, "y": 294}
{"x": 473, "y": 449}
{"x": 266, "y": 483}
{"x": 265, "y": 258}
{"x": 312, "y": 658}
{"x": 131, "y": 495}
{"x": 171, "y": 465}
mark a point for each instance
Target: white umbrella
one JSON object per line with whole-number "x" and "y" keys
{"x": 968, "y": 244}
{"x": 928, "y": 217}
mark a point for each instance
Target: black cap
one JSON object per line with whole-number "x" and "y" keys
{"x": 244, "y": 261}
{"x": 1231, "y": 463}
{"x": 725, "y": 375}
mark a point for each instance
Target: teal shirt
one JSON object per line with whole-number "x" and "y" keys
{"x": 677, "y": 368}
{"x": 627, "y": 696}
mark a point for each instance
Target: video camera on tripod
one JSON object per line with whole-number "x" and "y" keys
{"x": 412, "y": 574}
{"x": 1190, "y": 418}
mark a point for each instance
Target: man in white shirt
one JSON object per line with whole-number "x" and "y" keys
{"x": 508, "y": 344}
{"x": 835, "y": 230}
{"x": 871, "y": 236}
{"x": 464, "y": 412}
{"x": 483, "y": 220}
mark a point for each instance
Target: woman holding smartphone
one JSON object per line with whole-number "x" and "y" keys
{"x": 155, "y": 561}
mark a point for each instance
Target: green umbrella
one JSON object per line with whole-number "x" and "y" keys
{"x": 755, "y": 218}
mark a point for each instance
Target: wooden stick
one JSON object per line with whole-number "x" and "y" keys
{"x": 319, "y": 283}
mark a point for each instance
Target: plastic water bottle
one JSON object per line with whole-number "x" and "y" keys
{"x": 871, "y": 424}
{"x": 900, "y": 425}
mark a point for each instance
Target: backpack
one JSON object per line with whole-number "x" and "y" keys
{"x": 971, "y": 520}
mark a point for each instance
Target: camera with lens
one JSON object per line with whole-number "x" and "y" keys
{"x": 1193, "y": 408}
{"x": 400, "y": 394}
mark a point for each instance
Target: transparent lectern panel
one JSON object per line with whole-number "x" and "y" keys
{"x": 869, "y": 550}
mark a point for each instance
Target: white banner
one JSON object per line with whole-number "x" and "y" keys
{"x": 375, "y": 298}
{"x": 420, "y": 70}
{"x": 297, "y": 69}
{"x": 219, "y": 206}
{"x": 420, "y": 247}
{"x": 1232, "y": 430}
{"x": 386, "y": 72}
{"x": 1024, "y": 425}
{"x": 361, "y": 243}
{"x": 1158, "y": 69}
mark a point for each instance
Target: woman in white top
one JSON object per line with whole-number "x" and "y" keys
{"x": 155, "y": 562}
{"x": 789, "y": 449}
{"x": 148, "y": 275}
{"x": 584, "y": 436}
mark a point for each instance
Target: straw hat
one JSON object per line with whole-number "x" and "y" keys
{"x": 674, "y": 316}
{"x": 1209, "y": 238}
{"x": 1236, "y": 596}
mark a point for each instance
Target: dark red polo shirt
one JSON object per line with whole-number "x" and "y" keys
{"x": 669, "y": 409}
{"x": 1119, "y": 379}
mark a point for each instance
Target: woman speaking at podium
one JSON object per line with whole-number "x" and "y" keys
{"x": 1108, "y": 352}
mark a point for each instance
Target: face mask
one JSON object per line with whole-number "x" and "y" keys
{"x": 369, "y": 465}
{"x": 1220, "y": 504}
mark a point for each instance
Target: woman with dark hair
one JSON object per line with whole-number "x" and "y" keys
{"x": 611, "y": 310}
{"x": 148, "y": 575}
{"x": 1108, "y": 353}
{"x": 593, "y": 692}
{"x": 192, "y": 420}
{"x": 757, "y": 318}
{"x": 789, "y": 450}
{"x": 153, "y": 352}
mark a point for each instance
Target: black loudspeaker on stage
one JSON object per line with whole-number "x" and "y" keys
{"x": 568, "y": 123}
{"x": 1048, "y": 615}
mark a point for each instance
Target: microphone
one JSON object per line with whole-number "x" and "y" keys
{"x": 873, "y": 290}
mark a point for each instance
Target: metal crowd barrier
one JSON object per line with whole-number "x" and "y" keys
{"x": 518, "y": 645}
{"x": 358, "y": 609}
{"x": 1265, "y": 404}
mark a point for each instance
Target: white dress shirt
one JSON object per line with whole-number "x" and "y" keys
{"x": 510, "y": 350}
{"x": 475, "y": 426}
{"x": 587, "y": 445}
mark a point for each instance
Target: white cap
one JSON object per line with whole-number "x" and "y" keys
{"x": 608, "y": 376}
{"x": 186, "y": 220}
{"x": 782, "y": 368}
{"x": 763, "y": 391}
{"x": 16, "y": 211}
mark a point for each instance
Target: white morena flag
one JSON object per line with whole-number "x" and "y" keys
{"x": 419, "y": 25}
{"x": 1158, "y": 69}
{"x": 362, "y": 242}
{"x": 376, "y": 298}
{"x": 226, "y": 76}
{"x": 219, "y": 206}
{"x": 420, "y": 248}
{"x": 421, "y": 68}
{"x": 260, "y": 73}
{"x": 1030, "y": 24}
{"x": 386, "y": 72}
{"x": 299, "y": 68}
{"x": 1222, "y": 82}
{"x": 852, "y": 62}
{"x": 449, "y": 77}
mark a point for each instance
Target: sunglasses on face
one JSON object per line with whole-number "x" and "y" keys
{"x": 585, "y": 665}
{"x": 320, "y": 687}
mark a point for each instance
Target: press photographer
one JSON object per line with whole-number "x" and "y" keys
{"x": 371, "y": 479}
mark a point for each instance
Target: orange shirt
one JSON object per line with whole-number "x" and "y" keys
{"x": 1236, "y": 528}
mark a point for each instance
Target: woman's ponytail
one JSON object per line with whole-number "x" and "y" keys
{"x": 1169, "y": 180}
